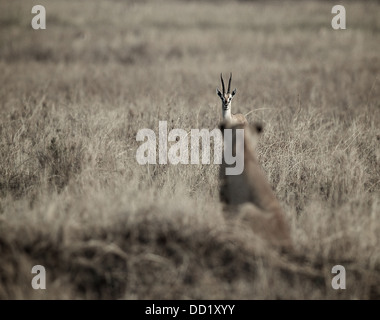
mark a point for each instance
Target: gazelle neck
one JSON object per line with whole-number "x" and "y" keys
{"x": 227, "y": 114}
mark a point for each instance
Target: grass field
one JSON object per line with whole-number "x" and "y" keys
{"x": 74, "y": 199}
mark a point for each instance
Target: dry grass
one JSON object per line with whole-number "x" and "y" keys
{"x": 74, "y": 199}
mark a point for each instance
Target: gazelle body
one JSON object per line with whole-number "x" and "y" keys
{"x": 249, "y": 194}
{"x": 226, "y": 98}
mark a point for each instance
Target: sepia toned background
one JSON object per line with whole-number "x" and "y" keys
{"x": 74, "y": 199}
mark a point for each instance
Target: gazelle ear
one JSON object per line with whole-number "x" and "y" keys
{"x": 257, "y": 127}
{"x": 219, "y": 93}
{"x": 233, "y": 92}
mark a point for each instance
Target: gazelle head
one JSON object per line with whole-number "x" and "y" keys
{"x": 226, "y": 97}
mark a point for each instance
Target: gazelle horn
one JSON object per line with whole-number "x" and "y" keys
{"x": 229, "y": 83}
{"x": 221, "y": 78}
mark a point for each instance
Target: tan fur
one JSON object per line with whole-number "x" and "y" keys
{"x": 261, "y": 209}
{"x": 238, "y": 119}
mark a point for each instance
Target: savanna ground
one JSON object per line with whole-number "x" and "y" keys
{"x": 74, "y": 199}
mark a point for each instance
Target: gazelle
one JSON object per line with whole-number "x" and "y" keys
{"x": 250, "y": 193}
{"x": 226, "y": 103}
